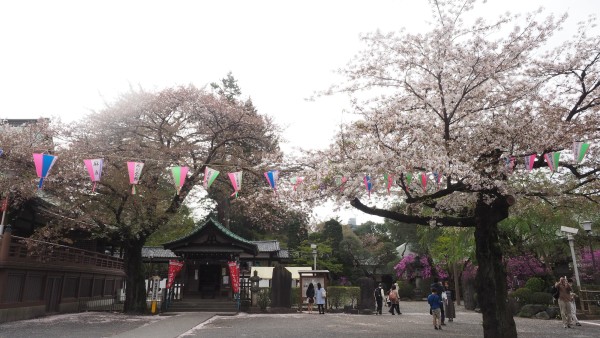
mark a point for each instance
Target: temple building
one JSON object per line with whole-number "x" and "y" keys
{"x": 206, "y": 252}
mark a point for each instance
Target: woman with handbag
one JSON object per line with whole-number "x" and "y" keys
{"x": 320, "y": 295}
{"x": 394, "y": 298}
{"x": 310, "y": 296}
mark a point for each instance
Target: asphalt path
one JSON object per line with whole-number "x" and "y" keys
{"x": 414, "y": 322}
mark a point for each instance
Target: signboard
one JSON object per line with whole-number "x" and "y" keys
{"x": 234, "y": 273}
{"x": 174, "y": 268}
{"x": 310, "y": 279}
{"x": 155, "y": 286}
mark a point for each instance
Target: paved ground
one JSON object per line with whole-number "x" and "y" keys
{"x": 414, "y": 322}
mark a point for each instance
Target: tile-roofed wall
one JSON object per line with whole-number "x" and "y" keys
{"x": 267, "y": 246}
{"x": 157, "y": 252}
{"x": 283, "y": 253}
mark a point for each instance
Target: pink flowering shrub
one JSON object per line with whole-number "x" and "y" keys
{"x": 519, "y": 269}
{"x": 407, "y": 268}
{"x": 470, "y": 271}
{"x": 587, "y": 265}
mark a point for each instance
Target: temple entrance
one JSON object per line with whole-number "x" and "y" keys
{"x": 204, "y": 279}
{"x": 209, "y": 281}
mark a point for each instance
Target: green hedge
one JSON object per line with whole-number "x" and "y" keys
{"x": 541, "y": 298}
{"x": 296, "y": 298}
{"x": 405, "y": 290}
{"x": 522, "y": 296}
{"x": 535, "y": 284}
{"x": 264, "y": 298}
{"x": 340, "y": 296}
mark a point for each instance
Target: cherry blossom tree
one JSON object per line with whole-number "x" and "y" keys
{"x": 452, "y": 113}
{"x": 182, "y": 126}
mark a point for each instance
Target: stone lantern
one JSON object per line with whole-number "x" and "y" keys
{"x": 254, "y": 287}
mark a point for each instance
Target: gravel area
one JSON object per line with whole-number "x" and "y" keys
{"x": 415, "y": 321}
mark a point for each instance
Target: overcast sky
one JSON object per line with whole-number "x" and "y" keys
{"x": 65, "y": 58}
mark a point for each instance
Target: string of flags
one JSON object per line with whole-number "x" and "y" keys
{"x": 45, "y": 162}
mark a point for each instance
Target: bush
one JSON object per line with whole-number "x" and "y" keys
{"x": 340, "y": 296}
{"x": 541, "y": 298}
{"x": 297, "y": 299}
{"x": 353, "y": 295}
{"x": 522, "y": 296}
{"x": 535, "y": 284}
{"x": 405, "y": 290}
{"x": 335, "y": 296}
{"x": 264, "y": 299}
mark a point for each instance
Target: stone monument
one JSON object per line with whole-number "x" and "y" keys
{"x": 281, "y": 288}
{"x": 367, "y": 300}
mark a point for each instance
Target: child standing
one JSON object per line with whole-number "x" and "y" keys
{"x": 435, "y": 303}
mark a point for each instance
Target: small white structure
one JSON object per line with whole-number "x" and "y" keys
{"x": 266, "y": 274}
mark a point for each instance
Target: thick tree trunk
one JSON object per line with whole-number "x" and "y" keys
{"x": 135, "y": 289}
{"x": 490, "y": 283}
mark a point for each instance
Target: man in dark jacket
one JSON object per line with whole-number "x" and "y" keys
{"x": 379, "y": 295}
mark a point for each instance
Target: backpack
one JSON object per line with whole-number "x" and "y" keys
{"x": 393, "y": 296}
{"x": 555, "y": 292}
{"x": 378, "y": 293}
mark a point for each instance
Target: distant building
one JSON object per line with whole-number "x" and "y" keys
{"x": 352, "y": 223}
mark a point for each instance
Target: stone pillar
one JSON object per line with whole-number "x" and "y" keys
{"x": 5, "y": 243}
{"x": 4, "y": 246}
{"x": 367, "y": 287}
{"x": 281, "y": 288}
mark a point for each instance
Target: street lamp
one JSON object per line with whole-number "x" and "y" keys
{"x": 570, "y": 232}
{"x": 314, "y": 252}
{"x": 587, "y": 226}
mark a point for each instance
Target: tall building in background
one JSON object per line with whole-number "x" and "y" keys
{"x": 352, "y": 222}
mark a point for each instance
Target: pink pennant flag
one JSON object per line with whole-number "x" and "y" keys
{"x": 296, "y": 180}
{"x": 135, "y": 172}
{"x": 340, "y": 181}
{"x": 424, "y": 181}
{"x": 552, "y": 159}
{"x": 529, "y": 161}
{"x": 389, "y": 178}
{"x": 94, "y": 168}
{"x": 509, "y": 163}
{"x": 236, "y": 182}
{"x": 179, "y": 174}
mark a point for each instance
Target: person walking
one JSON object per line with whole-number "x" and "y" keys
{"x": 379, "y": 296}
{"x": 437, "y": 285}
{"x": 574, "y": 318}
{"x": 310, "y": 296}
{"x": 449, "y": 309}
{"x": 564, "y": 301}
{"x": 394, "y": 298}
{"x": 320, "y": 295}
{"x": 435, "y": 308}
{"x": 573, "y": 306}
